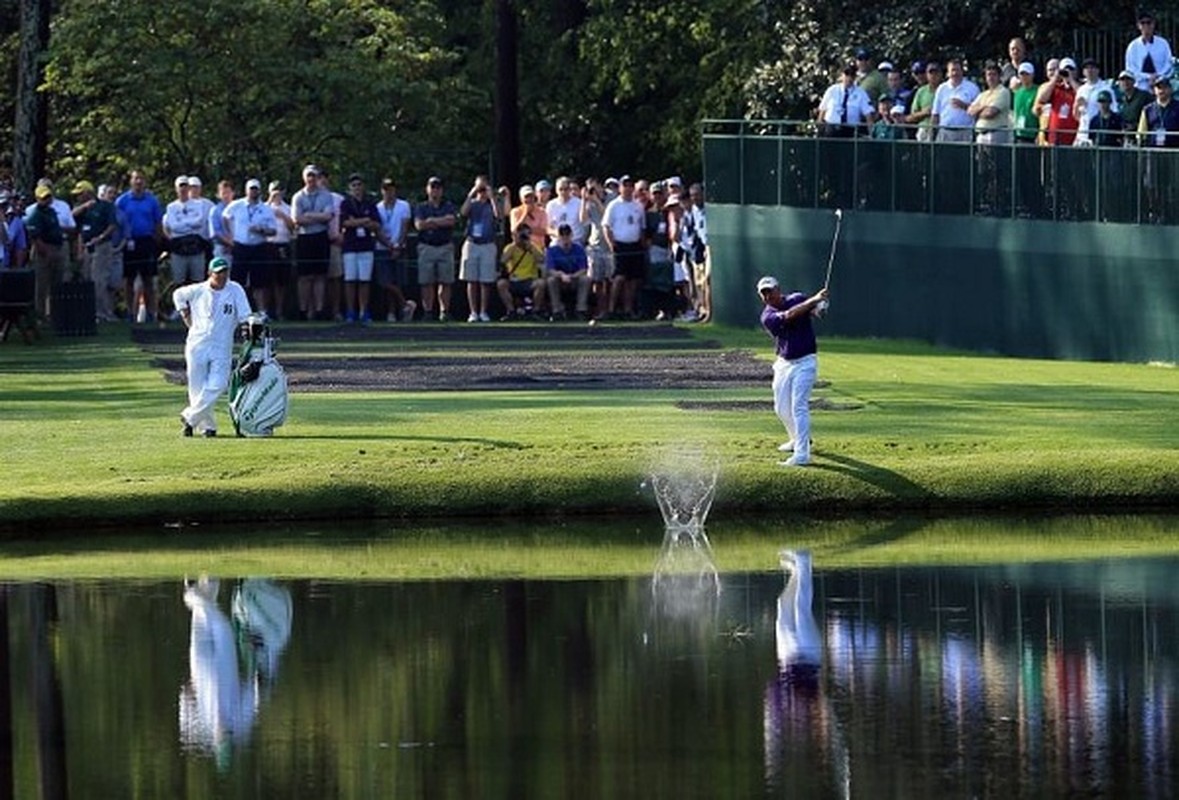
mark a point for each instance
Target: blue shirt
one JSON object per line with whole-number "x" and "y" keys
{"x": 480, "y": 222}
{"x": 18, "y": 238}
{"x": 568, "y": 261}
{"x": 144, "y": 213}
{"x": 793, "y": 338}
{"x": 435, "y": 236}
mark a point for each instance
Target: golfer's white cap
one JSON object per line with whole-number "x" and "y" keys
{"x": 768, "y": 282}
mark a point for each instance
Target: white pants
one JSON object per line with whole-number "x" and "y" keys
{"x": 208, "y": 377}
{"x": 793, "y": 381}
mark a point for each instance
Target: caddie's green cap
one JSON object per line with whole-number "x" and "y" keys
{"x": 218, "y": 264}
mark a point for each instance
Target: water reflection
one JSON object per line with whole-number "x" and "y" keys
{"x": 219, "y": 703}
{"x": 1043, "y": 680}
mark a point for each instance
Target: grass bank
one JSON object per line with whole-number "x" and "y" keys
{"x": 89, "y": 436}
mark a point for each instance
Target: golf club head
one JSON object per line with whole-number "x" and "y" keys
{"x": 839, "y": 213}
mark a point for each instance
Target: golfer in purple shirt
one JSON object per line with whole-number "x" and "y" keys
{"x": 787, "y": 318}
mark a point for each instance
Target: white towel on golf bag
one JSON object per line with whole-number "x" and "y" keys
{"x": 261, "y": 405}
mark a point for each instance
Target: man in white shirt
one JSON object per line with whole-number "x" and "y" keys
{"x": 248, "y": 222}
{"x": 184, "y": 223}
{"x": 951, "y": 105}
{"x": 845, "y": 107}
{"x": 211, "y": 310}
{"x": 389, "y": 260}
{"x": 1148, "y": 56}
{"x": 622, "y": 225}
{"x": 565, "y": 209}
{"x": 195, "y": 194}
{"x": 281, "y": 253}
{"x": 1086, "y": 105}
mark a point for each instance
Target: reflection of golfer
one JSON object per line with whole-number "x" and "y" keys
{"x": 212, "y": 311}
{"x": 217, "y": 707}
{"x": 788, "y": 319}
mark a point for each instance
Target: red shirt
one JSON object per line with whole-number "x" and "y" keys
{"x": 1062, "y": 125}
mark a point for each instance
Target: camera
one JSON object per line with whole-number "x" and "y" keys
{"x": 1064, "y": 73}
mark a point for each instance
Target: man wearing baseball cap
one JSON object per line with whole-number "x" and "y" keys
{"x": 96, "y": 226}
{"x": 1131, "y": 99}
{"x": 787, "y": 319}
{"x": 211, "y": 310}
{"x": 249, "y": 223}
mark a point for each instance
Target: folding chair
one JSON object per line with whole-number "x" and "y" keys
{"x": 17, "y": 293}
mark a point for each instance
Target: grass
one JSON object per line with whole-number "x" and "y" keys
{"x": 89, "y": 433}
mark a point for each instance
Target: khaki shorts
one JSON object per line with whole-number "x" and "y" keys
{"x": 435, "y": 263}
{"x": 479, "y": 264}
{"x": 601, "y": 263}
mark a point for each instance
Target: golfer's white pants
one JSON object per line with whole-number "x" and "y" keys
{"x": 793, "y": 381}
{"x": 208, "y": 377}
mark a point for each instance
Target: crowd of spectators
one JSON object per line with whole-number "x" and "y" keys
{"x": 623, "y": 248}
{"x": 1054, "y": 104}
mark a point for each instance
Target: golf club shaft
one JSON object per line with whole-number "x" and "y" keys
{"x": 834, "y": 244}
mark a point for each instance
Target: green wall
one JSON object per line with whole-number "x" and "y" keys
{"x": 1019, "y": 287}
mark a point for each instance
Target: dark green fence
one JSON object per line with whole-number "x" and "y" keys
{"x": 780, "y": 164}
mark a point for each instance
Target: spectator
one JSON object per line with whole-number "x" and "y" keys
{"x": 1043, "y": 109}
{"x": 610, "y": 188}
{"x": 1159, "y": 125}
{"x": 565, "y": 209}
{"x": 530, "y": 212}
{"x": 1131, "y": 101}
{"x": 544, "y": 193}
{"x": 991, "y": 110}
{"x": 280, "y": 244}
{"x": 869, "y": 78}
{"x": 359, "y": 226}
{"x": 622, "y": 224}
{"x": 950, "y": 115}
{"x": 478, "y": 267}
{"x": 601, "y": 264}
{"x": 313, "y": 210}
{"x": 519, "y": 278}
{"x": 65, "y": 218}
{"x": 1148, "y": 56}
{"x": 16, "y": 233}
{"x": 335, "y": 274}
{"x": 921, "y": 111}
{"x": 1087, "y": 109}
{"x": 222, "y": 243}
{"x": 145, "y": 227}
{"x": 681, "y": 256}
{"x": 567, "y": 268}
{"x": 1022, "y": 99}
{"x": 47, "y": 243}
{"x": 701, "y": 253}
{"x": 435, "y": 220}
{"x": 1060, "y": 97}
{"x": 844, "y": 107}
{"x": 1017, "y": 54}
{"x": 1106, "y": 128}
{"x": 96, "y": 221}
{"x": 389, "y": 257}
{"x": 885, "y": 127}
{"x": 248, "y": 223}
{"x": 184, "y": 223}
{"x": 660, "y": 275}
{"x": 901, "y": 95}
{"x": 205, "y": 206}
{"x": 110, "y": 193}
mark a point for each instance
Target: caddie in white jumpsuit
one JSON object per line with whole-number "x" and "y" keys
{"x": 212, "y": 310}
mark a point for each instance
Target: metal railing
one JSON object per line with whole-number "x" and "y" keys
{"x": 783, "y": 163}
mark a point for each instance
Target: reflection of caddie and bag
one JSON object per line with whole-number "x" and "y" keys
{"x": 258, "y": 386}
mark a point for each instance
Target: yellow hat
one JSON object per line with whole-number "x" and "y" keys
{"x": 83, "y": 186}
{"x": 42, "y": 192}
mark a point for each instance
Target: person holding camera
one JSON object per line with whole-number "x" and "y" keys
{"x": 519, "y": 275}
{"x": 1059, "y": 98}
{"x": 478, "y": 265}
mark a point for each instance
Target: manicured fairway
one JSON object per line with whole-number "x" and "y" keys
{"x": 89, "y": 433}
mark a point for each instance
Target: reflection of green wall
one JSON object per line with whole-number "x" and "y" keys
{"x": 1018, "y": 287}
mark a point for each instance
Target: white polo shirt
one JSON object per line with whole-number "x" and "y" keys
{"x": 625, "y": 220}
{"x": 566, "y": 213}
{"x": 242, "y": 215}
{"x": 395, "y": 221}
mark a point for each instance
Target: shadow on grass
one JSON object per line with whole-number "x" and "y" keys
{"x": 896, "y": 485}
{"x": 368, "y": 437}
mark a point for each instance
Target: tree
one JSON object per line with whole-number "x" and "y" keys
{"x": 227, "y": 89}
{"x": 30, "y": 129}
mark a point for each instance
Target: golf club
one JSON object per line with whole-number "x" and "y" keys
{"x": 824, "y": 305}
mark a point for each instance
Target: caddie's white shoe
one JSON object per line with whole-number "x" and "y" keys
{"x": 794, "y": 461}
{"x": 786, "y": 447}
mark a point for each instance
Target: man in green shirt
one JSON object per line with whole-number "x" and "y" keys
{"x": 96, "y": 227}
{"x": 47, "y": 245}
{"x": 922, "y": 109}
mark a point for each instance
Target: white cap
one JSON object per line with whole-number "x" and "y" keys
{"x": 885, "y": 66}
{"x": 193, "y": 180}
{"x": 768, "y": 282}
{"x": 1027, "y": 67}
{"x": 254, "y": 183}
{"x": 182, "y": 180}
{"x": 898, "y": 109}
{"x": 1067, "y": 63}
{"x": 526, "y": 190}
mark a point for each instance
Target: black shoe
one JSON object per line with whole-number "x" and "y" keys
{"x": 210, "y": 433}
{"x": 187, "y": 429}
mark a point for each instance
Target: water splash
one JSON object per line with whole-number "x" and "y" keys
{"x": 685, "y": 575}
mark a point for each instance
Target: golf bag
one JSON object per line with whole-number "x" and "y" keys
{"x": 258, "y": 385}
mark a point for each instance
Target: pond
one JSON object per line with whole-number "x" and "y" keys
{"x": 1045, "y": 678}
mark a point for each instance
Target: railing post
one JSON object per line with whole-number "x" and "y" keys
{"x": 780, "y": 172}
{"x": 741, "y": 160}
